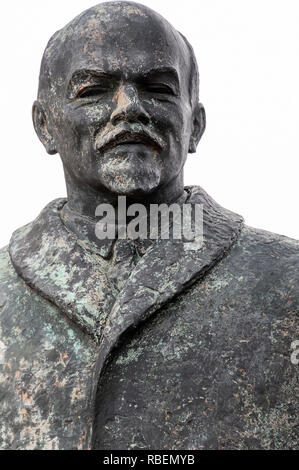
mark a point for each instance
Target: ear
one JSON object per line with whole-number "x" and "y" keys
{"x": 41, "y": 127}
{"x": 198, "y": 127}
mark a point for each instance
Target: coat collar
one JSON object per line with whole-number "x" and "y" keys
{"x": 52, "y": 261}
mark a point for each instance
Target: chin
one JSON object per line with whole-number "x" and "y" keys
{"x": 130, "y": 176}
{"x": 125, "y": 186}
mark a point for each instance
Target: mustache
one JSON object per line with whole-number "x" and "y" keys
{"x": 126, "y": 133}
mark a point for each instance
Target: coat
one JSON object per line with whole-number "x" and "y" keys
{"x": 193, "y": 353}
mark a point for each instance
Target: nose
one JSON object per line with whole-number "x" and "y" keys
{"x": 128, "y": 106}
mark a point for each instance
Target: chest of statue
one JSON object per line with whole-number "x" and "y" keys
{"x": 212, "y": 370}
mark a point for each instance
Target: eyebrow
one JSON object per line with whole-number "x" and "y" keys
{"x": 83, "y": 75}
{"x": 161, "y": 71}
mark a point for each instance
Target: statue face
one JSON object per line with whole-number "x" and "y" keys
{"x": 122, "y": 116}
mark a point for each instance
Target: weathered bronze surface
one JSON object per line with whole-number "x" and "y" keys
{"x": 139, "y": 344}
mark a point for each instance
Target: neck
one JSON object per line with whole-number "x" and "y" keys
{"x": 84, "y": 199}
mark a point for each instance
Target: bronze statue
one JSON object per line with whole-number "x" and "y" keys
{"x": 139, "y": 343}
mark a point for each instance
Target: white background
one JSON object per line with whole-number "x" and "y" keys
{"x": 248, "y": 58}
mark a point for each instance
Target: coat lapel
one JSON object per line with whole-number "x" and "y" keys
{"x": 52, "y": 261}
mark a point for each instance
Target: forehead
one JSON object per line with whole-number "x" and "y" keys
{"x": 125, "y": 43}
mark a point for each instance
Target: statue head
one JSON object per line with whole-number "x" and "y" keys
{"x": 118, "y": 100}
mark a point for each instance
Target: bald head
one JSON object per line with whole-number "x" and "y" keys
{"x": 95, "y": 35}
{"x": 118, "y": 100}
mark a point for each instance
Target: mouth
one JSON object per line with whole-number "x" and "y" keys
{"x": 129, "y": 142}
{"x": 128, "y": 137}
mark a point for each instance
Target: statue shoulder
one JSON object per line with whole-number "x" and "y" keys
{"x": 266, "y": 262}
{"x": 272, "y": 248}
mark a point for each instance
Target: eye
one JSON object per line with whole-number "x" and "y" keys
{"x": 158, "y": 88}
{"x": 91, "y": 92}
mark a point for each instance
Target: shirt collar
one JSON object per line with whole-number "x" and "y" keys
{"x": 83, "y": 229}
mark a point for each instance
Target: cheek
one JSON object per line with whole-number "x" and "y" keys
{"x": 183, "y": 119}
{"x": 170, "y": 117}
{"x": 181, "y": 130}
{"x": 178, "y": 130}
{"x": 79, "y": 123}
